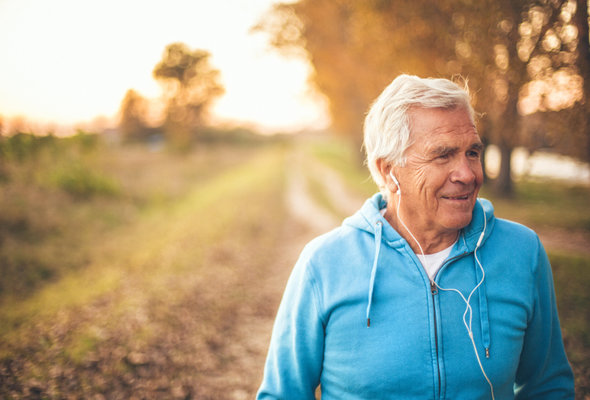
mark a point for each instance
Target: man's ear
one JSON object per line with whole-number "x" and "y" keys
{"x": 385, "y": 169}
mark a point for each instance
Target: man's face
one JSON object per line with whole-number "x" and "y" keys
{"x": 443, "y": 173}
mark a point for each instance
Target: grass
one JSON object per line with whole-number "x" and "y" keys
{"x": 60, "y": 203}
{"x": 81, "y": 181}
{"x": 571, "y": 277}
{"x": 341, "y": 158}
{"x": 154, "y": 246}
{"x": 161, "y": 288}
{"x": 546, "y": 203}
{"x": 318, "y": 190}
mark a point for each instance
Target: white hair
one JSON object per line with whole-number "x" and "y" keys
{"x": 387, "y": 130}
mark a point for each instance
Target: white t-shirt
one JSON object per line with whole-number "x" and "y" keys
{"x": 433, "y": 262}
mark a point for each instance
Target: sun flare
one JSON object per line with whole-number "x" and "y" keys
{"x": 68, "y": 61}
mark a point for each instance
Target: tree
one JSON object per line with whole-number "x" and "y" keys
{"x": 353, "y": 48}
{"x": 191, "y": 84}
{"x": 490, "y": 32}
{"x": 357, "y": 47}
{"x": 541, "y": 50}
{"x": 132, "y": 116}
{"x": 583, "y": 64}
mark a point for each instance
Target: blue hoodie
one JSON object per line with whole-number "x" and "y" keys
{"x": 417, "y": 345}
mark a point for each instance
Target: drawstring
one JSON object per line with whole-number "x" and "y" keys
{"x": 483, "y": 305}
{"x": 483, "y": 298}
{"x": 378, "y": 231}
{"x": 484, "y": 318}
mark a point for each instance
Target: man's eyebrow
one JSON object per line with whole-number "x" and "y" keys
{"x": 442, "y": 150}
{"x": 477, "y": 146}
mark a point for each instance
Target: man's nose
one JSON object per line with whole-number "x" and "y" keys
{"x": 464, "y": 170}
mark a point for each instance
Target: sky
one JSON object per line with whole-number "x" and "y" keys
{"x": 69, "y": 61}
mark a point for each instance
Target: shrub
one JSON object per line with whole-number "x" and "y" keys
{"x": 81, "y": 181}
{"x": 20, "y": 147}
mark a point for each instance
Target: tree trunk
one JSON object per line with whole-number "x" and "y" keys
{"x": 484, "y": 134}
{"x": 583, "y": 62}
{"x": 503, "y": 184}
{"x": 507, "y": 125}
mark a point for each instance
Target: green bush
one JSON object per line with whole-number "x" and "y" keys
{"x": 84, "y": 141}
{"x": 22, "y": 146}
{"x": 81, "y": 181}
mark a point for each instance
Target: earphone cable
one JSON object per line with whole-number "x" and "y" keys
{"x": 468, "y": 309}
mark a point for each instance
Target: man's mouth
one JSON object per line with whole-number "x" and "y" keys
{"x": 457, "y": 197}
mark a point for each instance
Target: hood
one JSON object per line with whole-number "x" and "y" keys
{"x": 369, "y": 219}
{"x": 472, "y": 237}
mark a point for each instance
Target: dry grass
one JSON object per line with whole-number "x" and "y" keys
{"x": 47, "y": 231}
{"x": 154, "y": 310}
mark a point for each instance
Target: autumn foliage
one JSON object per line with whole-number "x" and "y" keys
{"x": 526, "y": 61}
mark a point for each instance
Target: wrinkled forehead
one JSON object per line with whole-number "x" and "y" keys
{"x": 439, "y": 125}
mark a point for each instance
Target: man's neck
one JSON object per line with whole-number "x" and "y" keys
{"x": 430, "y": 240}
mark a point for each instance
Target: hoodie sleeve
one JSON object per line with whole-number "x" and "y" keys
{"x": 544, "y": 371}
{"x": 294, "y": 361}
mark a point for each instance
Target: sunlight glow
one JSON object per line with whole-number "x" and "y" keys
{"x": 67, "y": 61}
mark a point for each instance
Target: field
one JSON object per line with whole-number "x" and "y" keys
{"x": 131, "y": 272}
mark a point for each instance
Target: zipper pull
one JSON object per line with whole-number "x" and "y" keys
{"x": 433, "y": 288}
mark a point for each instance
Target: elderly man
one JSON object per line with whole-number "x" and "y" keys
{"x": 423, "y": 293}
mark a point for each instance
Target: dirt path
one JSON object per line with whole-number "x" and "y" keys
{"x": 299, "y": 200}
{"x": 564, "y": 240}
{"x": 251, "y": 336}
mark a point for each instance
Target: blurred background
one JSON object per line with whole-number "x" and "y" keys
{"x": 162, "y": 165}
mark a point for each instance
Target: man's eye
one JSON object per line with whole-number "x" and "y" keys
{"x": 473, "y": 154}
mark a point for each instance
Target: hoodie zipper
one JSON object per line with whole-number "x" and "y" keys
{"x": 434, "y": 291}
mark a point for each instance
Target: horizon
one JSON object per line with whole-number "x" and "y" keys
{"x": 68, "y": 63}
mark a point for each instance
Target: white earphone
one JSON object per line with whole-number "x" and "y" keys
{"x": 466, "y": 300}
{"x": 399, "y": 189}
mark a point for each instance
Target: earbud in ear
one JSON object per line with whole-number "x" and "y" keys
{"x": 399, "y": 189}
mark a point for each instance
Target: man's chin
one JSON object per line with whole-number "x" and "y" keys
{"x": 458, "y": 222}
